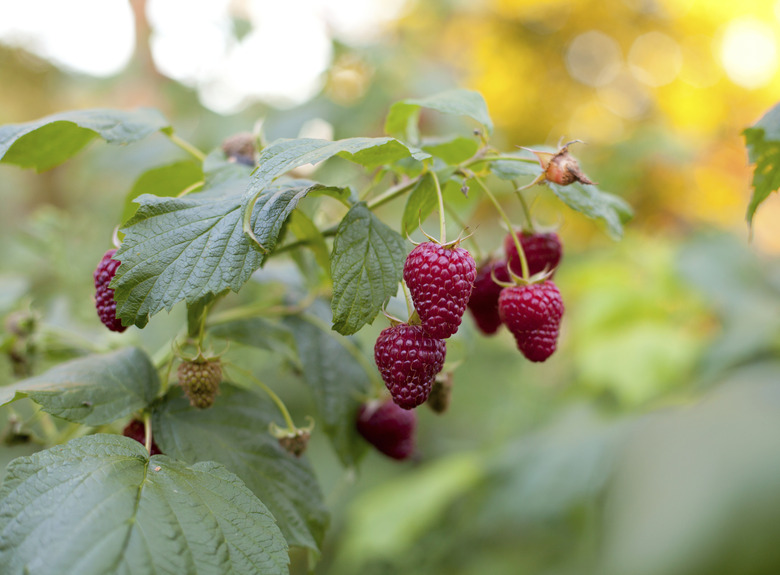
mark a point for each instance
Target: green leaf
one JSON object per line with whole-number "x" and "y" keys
{"x": 234, "y": 432}
{"x": 594, "y": 203}
{"x": 404, "y": 114}
{"x": 421, "y": 203}
{"x": 337, "y": 379}
{"x": 100, "y": 505}
{"x": 260, "y": 333}
{"x": 49, "y": 141}
{"x": 304, "y": 229}
{"x": 452, "y": 150}
{"x": 186, "y": 248}
{"x": 217, "y": 169}
{"x": 163, "y": 181}
{"x": 93, "y": 390}
{"x": 512, "y": 170}
{"x": 763, "y": 144}
{"x": 366, "y": 266}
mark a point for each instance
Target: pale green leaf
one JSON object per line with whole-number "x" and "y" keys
{"x": 49, "y": 141}
{"x": 234, "y": 432}
{"x": 404, "y": 114}
{"x": 163, "y": 181}
{"x": 100, "y": 505}
{"x": 93, "y": 390}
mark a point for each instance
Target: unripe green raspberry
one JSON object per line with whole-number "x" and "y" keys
{"x": 200, "y": 379}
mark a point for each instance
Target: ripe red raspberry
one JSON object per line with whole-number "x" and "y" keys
{"x": 104, "y": 295}
{"x": 200, "y": 379}
{"x": 541, "y": 251}
{"x": 483, "y": 302}
{"x": 408, "y": 360}
{"x": 388, "y": 428}
{"x": 533, "y": 314}
{"x": 440, "y": 280}
{"x": 135, "y": 430}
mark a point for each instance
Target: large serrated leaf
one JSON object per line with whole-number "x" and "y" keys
{"x": 49, "y": 141}
{"x": 763, "y": 144}
{"x": 284, "y": 155}
{"x": 183, "y": 249}
{"x": 93, "y": 390}
{"x": 166, "y": 181}
{"x": 592, "y": 202}
{"x": 403, "y": 114}
{"x": 99, "y": 505}
{"x": 366, "y": 266}
{"x": 234, "y": 432}
{"x": 336, "y": 378}
{"x": 260, "y": 333}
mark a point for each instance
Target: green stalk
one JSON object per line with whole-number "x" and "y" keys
{"x": 275, "y": 398}
{"x": 186, "y": 146}
{"x": 148, "y": 432}
{"x": 392, "y": 193}
{"x": 508, "y": 222}
{"x": 526, "y": 211}
{"x": 442, "y": 223}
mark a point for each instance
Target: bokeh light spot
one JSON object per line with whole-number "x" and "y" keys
{"x": 594, "y": 58}
{"x": 655, "y": 59}
{"x": 749, "y": 52}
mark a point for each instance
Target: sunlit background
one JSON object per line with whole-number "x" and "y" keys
{"x": 681, "y": 310}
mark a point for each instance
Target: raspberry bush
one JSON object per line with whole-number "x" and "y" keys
{"x": 185, "y": 456}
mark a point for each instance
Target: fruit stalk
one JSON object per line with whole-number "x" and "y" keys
{"x": 508, "y": 222}
{"x": 442, "y": 223}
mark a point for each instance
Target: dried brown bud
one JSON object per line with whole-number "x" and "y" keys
{"x": 441, "y": 393}
{"x": 240, "y": 148}
{"x": 295, "y": 443}
{"x": 561, "y": 168}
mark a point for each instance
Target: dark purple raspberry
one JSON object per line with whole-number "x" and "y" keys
{"x": 440, "y": 280}
{"x": 135, "y": 430}
{"x": 483, "y": 302}
{"x": 533, "y": 314}
{"x": 408, "y": 360}
{"x": 104, "y": 295}
{"x": 542, "y": 251}
{"x": 388, "y": 428}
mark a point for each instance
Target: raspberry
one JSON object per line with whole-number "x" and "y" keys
{"x": 388, "y": 428}
{"x": 200, "y": 379}
{"x": 542, "y": 251}
{"x": 483, "y": 302}
{"x": 408, "y": 360}
{"x": 135, "y": 430}
{"x": 440, "y": 280}
{"x": 104, "y": 295}
{"x": 532, "y": 313}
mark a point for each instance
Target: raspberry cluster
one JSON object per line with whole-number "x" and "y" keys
{"x": 440, "y": 280}
{"x": 533, "y": 312}
{"x": 104, "y": 295}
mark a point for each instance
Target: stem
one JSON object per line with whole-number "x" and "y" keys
{"x": 262, "y": 310}
{"x": 275, "y": 398}
{"x": 442, "y": 224}
{"x": 148, "y": 432}
{"x": 392, "y": 193}
{"x": 464, "y": 226}
{"x": 526, "y": 211}
{"x": 191, "y": 188}
{"x": 508, "y": 222}
{"x": 501, "y": 159}
{"x": 380, "y": 173}
{"x": 186, "y": 146}
{"x": 409, "y": 308}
